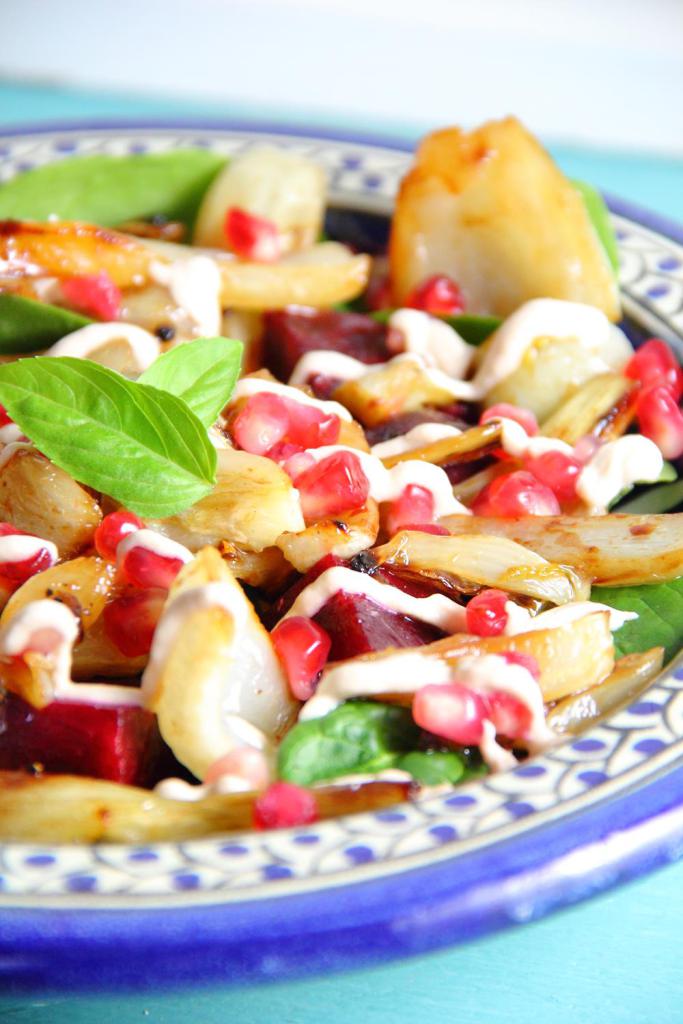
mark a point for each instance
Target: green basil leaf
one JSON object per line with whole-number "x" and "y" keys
{"x": 108, "y": 190}
{"x": 599, "y": 215}
{"x": 358, "y": 736}
{"x": 471, "y": 328}
{"x": 646, "y": 499}
{"x": 203, "y": 373}
{"x": 660, "y": 616}
{"x": 432, "y": 767}
{"x": 141, "y": 446}
{"x": 27, "y": 325}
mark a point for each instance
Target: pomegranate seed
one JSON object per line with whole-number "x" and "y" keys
{"x": 415, "y": 504}
{"x": 283, "y": 451}
{"x": 14, "y": 573}
{"x": 268, "y": 421}
{"x": 660, "y": 419}
{"x": 524, "y": 417}
{"x": 112, "y": 530}
{"x": 526, "y": 661}
{"x": 284, "y": 805}
{"x": 246, "y": 763}
{"x": 144, "y": 569}
{"x": 303, "y": 647}
{"x": 451, "y": 711}
{"x": 298, "y": 463}
{"x": 654, "y": 364}
{"x": 94, "y": 294}
{"x": 335, "y": 484}
{"x": 438, "y": 295}
{"x": 510, "y": 716}
{"x": 5, "y": 418}
{"x": 486, "y": 614}
{"x": 252, "y": 237}
{"x": 130, "y": 621}
{"x": 516, "y": 494}
{"x": 261, "y": 424}
{"x": 557, "y": 471}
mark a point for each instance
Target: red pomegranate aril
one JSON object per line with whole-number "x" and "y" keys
{"x": 284, "y": 805}
{"x": 434, "y": 528}
{"x": 654, "y": 364}
{"x": 486, "y": 614}
{"x": 526, "y": 661}
{"x": 130, "y": 621}
{"x": 451, "y": 711}
{"x": 252, "y": 237}
{"x": 558, "y": 471}
{"x": 438, "y": 295}
{"x": 267, "y": 421}
{"x": 261, "y": 423}
{"x": 145, "y": 569}
{"x": 14, "y": 573}
{"x": 93, "y": 294}
{"x": 302, "y": 646}
{"x": 516, "y": 494}
{"x": 283, "y": 451}
{"x": 112, "y": 530}
{"x": 5, "y": 418}
{"x": 524, "y": 417}
{"x": 510, "y": 716}
{"x": 660, "y": 419}
{"x": 415, "y": 504}
{"x": 334, "y": 485}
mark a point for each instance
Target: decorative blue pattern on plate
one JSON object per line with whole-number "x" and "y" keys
{"x": 634, "y": 748}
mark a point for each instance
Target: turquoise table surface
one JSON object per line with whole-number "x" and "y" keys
{"x": 615, "y": 960}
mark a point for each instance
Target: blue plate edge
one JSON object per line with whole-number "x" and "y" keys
{"x": 377, "y": 922}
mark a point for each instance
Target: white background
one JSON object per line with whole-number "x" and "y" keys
{"x": 606, "y": 72}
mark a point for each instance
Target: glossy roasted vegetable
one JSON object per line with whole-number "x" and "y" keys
{"x": 344, "y": 535}
{"x": 490, "y": 209}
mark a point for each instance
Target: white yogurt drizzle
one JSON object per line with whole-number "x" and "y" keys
{"x": 520, "y": 620}
{"x": 615, "y": 467}
{"x": 187, "y": 792}
{"x": 11, "y": 449}
{"x": 84, "y": 343}
{"x": 45, "y": 615}
{"x": 248, "y": 386}
{"x": 155, "y": 542}
{"x": 435, "y": 341}
{"x": 327, "y": 363}
{"x": 416, "y": 437}
{"x": 18, "y": 547}
{"x": 195, "y": 286}
{"x": 516, "y": 442}
{"x": 437, "y": 610}
{"x": 388, "y": 484}
{"x": 544, "y": 318}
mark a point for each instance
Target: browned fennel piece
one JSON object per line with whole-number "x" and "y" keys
{"x": 344, "y": 535}
{"x": 491, "y": 209}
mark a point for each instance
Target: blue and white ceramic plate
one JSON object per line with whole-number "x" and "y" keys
{"x": 590, "y": 814}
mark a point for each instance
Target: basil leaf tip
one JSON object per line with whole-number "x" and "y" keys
{"x": 141, "y": 446}
{"x": 203, "y": 373}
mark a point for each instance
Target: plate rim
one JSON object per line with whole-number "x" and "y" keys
{"x": 650, "y": 839}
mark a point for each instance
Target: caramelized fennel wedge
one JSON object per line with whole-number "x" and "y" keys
{"x": 70, "y": 809}
{"x": 615, "y": 549}
{"x": 570, "y": 658}
{"x": 631, "y": 675}
{"x": 466, "y": 447}
{"x": 597, "y": 407}
{"x": 485, "y": 561}
{"x": 345, "y": 535}
{"x": 394, "y": 388}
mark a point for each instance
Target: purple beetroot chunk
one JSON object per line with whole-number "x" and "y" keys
{"x": 288, "y": 335}
{"x": 357, "y": 625}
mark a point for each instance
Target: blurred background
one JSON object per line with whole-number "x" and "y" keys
{"x": 602, "y": 80}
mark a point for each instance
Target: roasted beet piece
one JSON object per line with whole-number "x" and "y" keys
{"x": 289, "y": 334}
{"x": 121, "y": 744}
{"x": 357, "y": 625}
{"x": 286, "y": 600}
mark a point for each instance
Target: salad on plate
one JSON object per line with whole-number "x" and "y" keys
{"x": 290, "y": 530}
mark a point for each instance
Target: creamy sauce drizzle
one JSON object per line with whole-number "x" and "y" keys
{"x": 435, "y": 341}
{"x": 520, "y": 620}
{"x": 615, "y": 467}
{"x": 195, "y": 286}
{"x": 437, "y": 610}
{"x": 83, "y": 343}
{"x": 46, "y": 616}
{"x": 249, "y": 386}
{"x": 19, "y": 547}
{"x": 10, "y": 433}
{"x": 417, "y": 437}
{"x": 327, "y": 363}
{"x": 388, "y": 484}
{"x": 11, "y": 449}
{"x": 155, "y": 542}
